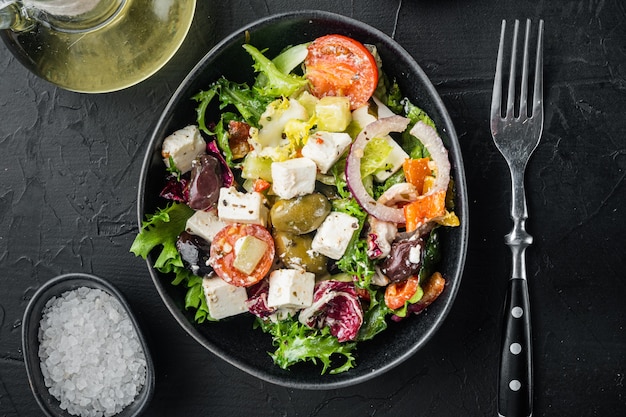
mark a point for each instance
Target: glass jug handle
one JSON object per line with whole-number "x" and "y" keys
{"x": 14, "y": 17}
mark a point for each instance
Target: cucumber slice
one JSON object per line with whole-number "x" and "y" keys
{"x": 248, "y": 252}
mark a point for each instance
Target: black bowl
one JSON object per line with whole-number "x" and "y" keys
{"x": 235, "y": 340}
{"x": 30, "y": 342}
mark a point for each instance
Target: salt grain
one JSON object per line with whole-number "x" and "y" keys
{"x": 91, "y": 357}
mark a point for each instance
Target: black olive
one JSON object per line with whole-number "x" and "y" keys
{"x": 194, "y": 251}
{"x": 400, "y": 265}
{"x": 205, "y": 183}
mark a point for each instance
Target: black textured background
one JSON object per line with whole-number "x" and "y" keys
{"x": 69, "y": 164}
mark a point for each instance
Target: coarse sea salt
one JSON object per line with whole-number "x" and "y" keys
{"x": 91, "y": 357}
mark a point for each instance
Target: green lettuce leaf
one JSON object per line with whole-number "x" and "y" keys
{"x": 248, "y": 102}
{"x": 160, "y": 230}
{"x": 275, "y": 82}
{"x": 355, "y": 260}
{"x": 374, "y": 319}
{"x": 296, "y": 343}
{"x": 375, "y": 154}
{"x": 194, "y": 298}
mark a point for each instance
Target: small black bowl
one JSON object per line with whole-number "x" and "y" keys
{"x": 235, "y": 340}
{"x": 30, "y": 342}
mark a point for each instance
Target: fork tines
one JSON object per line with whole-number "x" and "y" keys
{"x": 520, "y": 109}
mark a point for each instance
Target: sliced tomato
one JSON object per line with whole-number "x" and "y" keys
{"x": 398, "y": 293}
{"x": 337, "y": 65}
{"x": 222, "y": 254}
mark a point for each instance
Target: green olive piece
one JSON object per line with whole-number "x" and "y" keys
{"x": 300, "y": 215}
{"x": 295, "y": 252}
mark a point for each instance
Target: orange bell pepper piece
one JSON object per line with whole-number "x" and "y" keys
{"x": 415, "y": 171}
{"x": 425, "y": 208}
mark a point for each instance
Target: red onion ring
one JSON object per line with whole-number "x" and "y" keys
{"x": 382, "y": 127}
{"x": 379, "y": 128}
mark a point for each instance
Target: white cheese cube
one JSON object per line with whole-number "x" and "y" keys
{"x": 294, "y": 177}
{"x": 334, "y": 235}
{"x": 362, "y": 117}
{"x": 183, "y": 146}
{"x": 382, "y": 109}
{"x": 236, "y": 207}
{"x": 205, "y": 224}
{"x": 290, "y": 288}
{"x": 394, "y": 160}
{"x": 224, "y": 299}
{"x": 325, "y": 148}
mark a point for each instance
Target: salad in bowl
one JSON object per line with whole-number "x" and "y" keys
{"x": 309, "y": 197}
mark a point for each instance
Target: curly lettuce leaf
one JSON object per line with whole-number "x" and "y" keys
{"x": 248, "y": 102}
{"x": 160, "y": 230}
{"x": 221, "y": 136}
{"x": 296, "y": 343}
{"x": 275, "y": 83}
{"x": 355, "y": 261}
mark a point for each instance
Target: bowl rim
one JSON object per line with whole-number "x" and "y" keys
{"x": 54, "y": 287}
{"x": 461, "y": 197}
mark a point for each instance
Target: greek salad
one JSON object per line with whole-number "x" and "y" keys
{"x": 311, "y": 198}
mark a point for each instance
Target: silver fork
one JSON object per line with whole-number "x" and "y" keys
{"x": 517, "y": 136}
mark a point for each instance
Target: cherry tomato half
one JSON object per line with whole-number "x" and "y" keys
{"x": 337, "y": 65}
{"x": 398, "y": 293}
{"x": 222, "y": 254}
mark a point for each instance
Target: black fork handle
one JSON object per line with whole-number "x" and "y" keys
{"x": 515, "y": 385}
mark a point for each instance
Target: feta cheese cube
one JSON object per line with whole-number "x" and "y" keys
{"x": 362, "y": 117}
{"x": 382, "y": 109}
{"x": 223, "y": 299}
{"x": 183, "y": 146}
{"x": 237, "y": 207}
{"x": 205, "y": 224}
{"x": 394, "y": 160}
{"x": 290, "y": 288}
{"x": 294, "y": 177}
{"x": 325, "y": 148}
{"x": 334, "y": 235}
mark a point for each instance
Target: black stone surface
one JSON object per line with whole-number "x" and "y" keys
{"x": 69, "y": 165}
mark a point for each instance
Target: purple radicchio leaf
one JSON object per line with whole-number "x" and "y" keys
{"x": 336, "y": 306}
{"x": 227, "y": 175}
